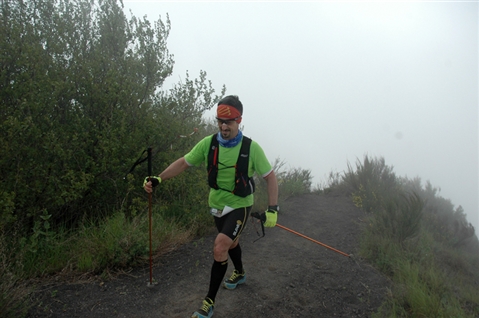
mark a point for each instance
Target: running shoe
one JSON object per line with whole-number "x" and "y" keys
{"x": 206, "y": 310}
{"x": 235, "y": 279}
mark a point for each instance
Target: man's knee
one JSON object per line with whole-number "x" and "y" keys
{"x": 222, "y": 246}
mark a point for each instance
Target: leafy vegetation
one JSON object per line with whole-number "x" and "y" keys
{"x": 418, "y": 239}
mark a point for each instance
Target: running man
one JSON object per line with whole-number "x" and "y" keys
{"x": 231, "y": 159}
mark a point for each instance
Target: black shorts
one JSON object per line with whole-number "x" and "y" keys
{"x": 233, "y": 223}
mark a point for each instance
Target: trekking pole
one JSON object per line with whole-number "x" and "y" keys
{"x": 312, "y": 240}
{"x": 137, "y": 162}
{"x": 149, "y": 217}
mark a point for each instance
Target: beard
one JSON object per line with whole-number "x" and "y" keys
{"x": 226, "y": 133}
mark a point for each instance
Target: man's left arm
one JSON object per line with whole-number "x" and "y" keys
{"x": 271, "y": 213}
{"x": 262, "y": 166}
{"x": 272, "y": 187}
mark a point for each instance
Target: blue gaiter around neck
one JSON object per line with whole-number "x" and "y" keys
{"x": 229, "y": 143}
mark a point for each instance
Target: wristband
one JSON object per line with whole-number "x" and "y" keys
{"x": 273, "y": 208}
{"x": 154, "y": 181}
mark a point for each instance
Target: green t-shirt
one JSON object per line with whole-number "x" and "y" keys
{"x": 218, "y": 199}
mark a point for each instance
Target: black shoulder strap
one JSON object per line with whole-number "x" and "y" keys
{"x": 244, "y": 185}
{"x": 212, "y": 166}
{"x": 243, "y": 158}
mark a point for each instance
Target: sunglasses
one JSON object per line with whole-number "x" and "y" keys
{"x": 226, "y": 121}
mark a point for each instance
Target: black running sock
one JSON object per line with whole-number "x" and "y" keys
{"x": 235, "y": 255}
{"x": 218, "y": 271}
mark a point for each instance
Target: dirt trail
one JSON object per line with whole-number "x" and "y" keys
{"x": 287, "y": 276}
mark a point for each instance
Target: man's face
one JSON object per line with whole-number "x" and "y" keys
{"x": 228, "y": 128}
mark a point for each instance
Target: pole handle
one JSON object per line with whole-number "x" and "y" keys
{"x": 149, "y": 162}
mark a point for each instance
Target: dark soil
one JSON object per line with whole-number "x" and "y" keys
{"x": 287, "y": 275}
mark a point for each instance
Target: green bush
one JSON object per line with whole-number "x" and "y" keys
{"x": 371, "y": 183}
{"x": 400, "y": 218}
{"x": 80, "y": 85}
{"x": 419, "y": 240}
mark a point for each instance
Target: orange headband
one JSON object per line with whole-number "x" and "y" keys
{"x": 228, "y": 112}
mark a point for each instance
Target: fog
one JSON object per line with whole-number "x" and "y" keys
{"x": 324, "y": 84}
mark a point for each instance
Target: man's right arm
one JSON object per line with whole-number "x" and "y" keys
{"x": 173, "y": 170}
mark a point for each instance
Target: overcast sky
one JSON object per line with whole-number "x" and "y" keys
{"x": 324, "y": 83}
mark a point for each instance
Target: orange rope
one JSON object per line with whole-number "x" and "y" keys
{"x": 308, "y": 238}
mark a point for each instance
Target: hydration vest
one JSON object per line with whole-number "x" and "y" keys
{"x": 244, "y": 185}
